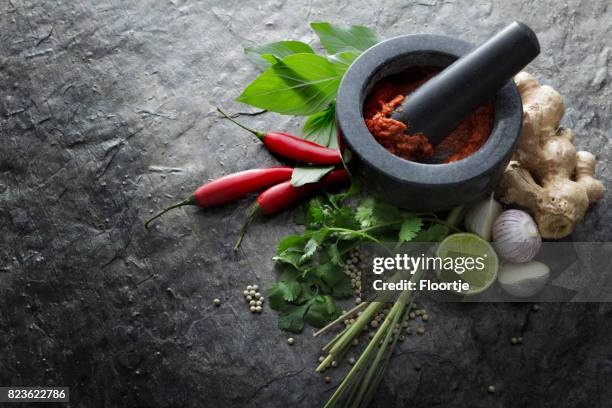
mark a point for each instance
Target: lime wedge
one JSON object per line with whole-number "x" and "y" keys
{"x": 467, "y": 258}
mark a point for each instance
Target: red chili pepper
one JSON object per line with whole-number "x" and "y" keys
{"x": 232, "y": 187}
{"x": 293, "y": 147}
{"x": 284, "y": 195}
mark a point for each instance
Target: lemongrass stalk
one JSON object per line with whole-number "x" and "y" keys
{"x": 341, "y": 318}
{"x": 373, "y": 369}
{"x": 364, "y": 356}
{"x": 357, "y": 327}
{"x": 371, "y": 390}
{"x": 357, "y": 381}
{"x": 334, "y": 340}
{"x": 351, "y": 332}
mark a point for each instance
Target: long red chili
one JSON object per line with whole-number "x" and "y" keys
{"x": 293, "y": 147}
{"x": 284, "y": 195}
{"x": 232, "y": 187}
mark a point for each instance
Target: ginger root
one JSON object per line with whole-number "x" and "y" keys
{"x": 547, "y": 176}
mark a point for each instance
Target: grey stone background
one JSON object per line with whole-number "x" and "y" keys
{"x": 107, "y": 113}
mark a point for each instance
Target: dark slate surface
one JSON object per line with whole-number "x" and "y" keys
{"x": 107, "y": 113}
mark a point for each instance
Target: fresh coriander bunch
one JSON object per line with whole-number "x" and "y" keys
{"x": 312, "y": 264}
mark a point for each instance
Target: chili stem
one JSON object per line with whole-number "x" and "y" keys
{"x": 256, "y": 113}
{"x": 255, "y": 209}
{"x": 257, "y": 133}
{"x": 188, "y": 201}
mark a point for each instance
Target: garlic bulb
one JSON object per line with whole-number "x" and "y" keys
{"x": 523, "y": 279}
{"x": 480, "y": 217}
{"x": 516, "y": 237}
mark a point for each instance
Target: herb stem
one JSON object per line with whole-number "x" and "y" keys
{"x": 355, "y": 232}
{"x": 341, "y": 318}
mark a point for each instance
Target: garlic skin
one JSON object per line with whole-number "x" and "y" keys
{"x": 480, "y": 217}
{"x": 516, "y": 236}
{"x": 523, "y": 279}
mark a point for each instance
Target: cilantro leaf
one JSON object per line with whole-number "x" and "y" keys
{"x": 291, "y": 241}
{"x": 330, "y": 273}
{"x": 315, "y": 214}
{"x": 320, "y": 127}
{"x": 287, "y": 289}
{"x": 290, "y": 256}
{"x": 321, "y": 311}
{"x": 334, "y": 254}
{"x": 291, "y": 317}
{"x": 409, "y": 229}
{"x": 372, "y": 212}
{"x": 337, "y": 199}
{"x": 435, "y": 233}
{"x": 316, "y": 239}
{"x": 306, "y": 175}
{"x": 299, "y": 84}
{"x": 343, "y": 217}
{"x": 343, "y": 289}
{"x": 338, "y": 39}
{"x": 263, "y": 56}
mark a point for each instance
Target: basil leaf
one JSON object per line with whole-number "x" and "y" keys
{"x": 306, "y": 175}
{"x": 263, "y": 56}
{"x": 299, "y": 84}
{"x": 343, "y": 60}
{"x": 321, "y": 128}
{"x": 338, "y": 39}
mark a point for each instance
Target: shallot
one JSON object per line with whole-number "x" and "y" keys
{"x": 523, "y": 279}
{"x": 516, "y": 236}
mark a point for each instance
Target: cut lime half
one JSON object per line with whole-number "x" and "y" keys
{"x": 467, "y": 258}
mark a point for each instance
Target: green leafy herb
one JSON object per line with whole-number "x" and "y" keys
{"x": 435, "y": 233}
{"x": 343, "y": 60}
{"x": 299, "y": 84}
{"x": 338, "y": 39}
{"x": 321, "y": 128}
{"x": 313, "y": 262}
{"x": 371, "y": 212}
{"x": 263, "y": 56}
{"x": 291, "y": 317}
{"x": 321, "y": 310}
{"x": 305, "y": 175}
{"x": 409, "y": 229}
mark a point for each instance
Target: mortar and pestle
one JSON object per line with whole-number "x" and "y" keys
{"x": 471, "y": 76}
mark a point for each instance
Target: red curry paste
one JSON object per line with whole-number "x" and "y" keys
{"x": 388, "y": 94}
